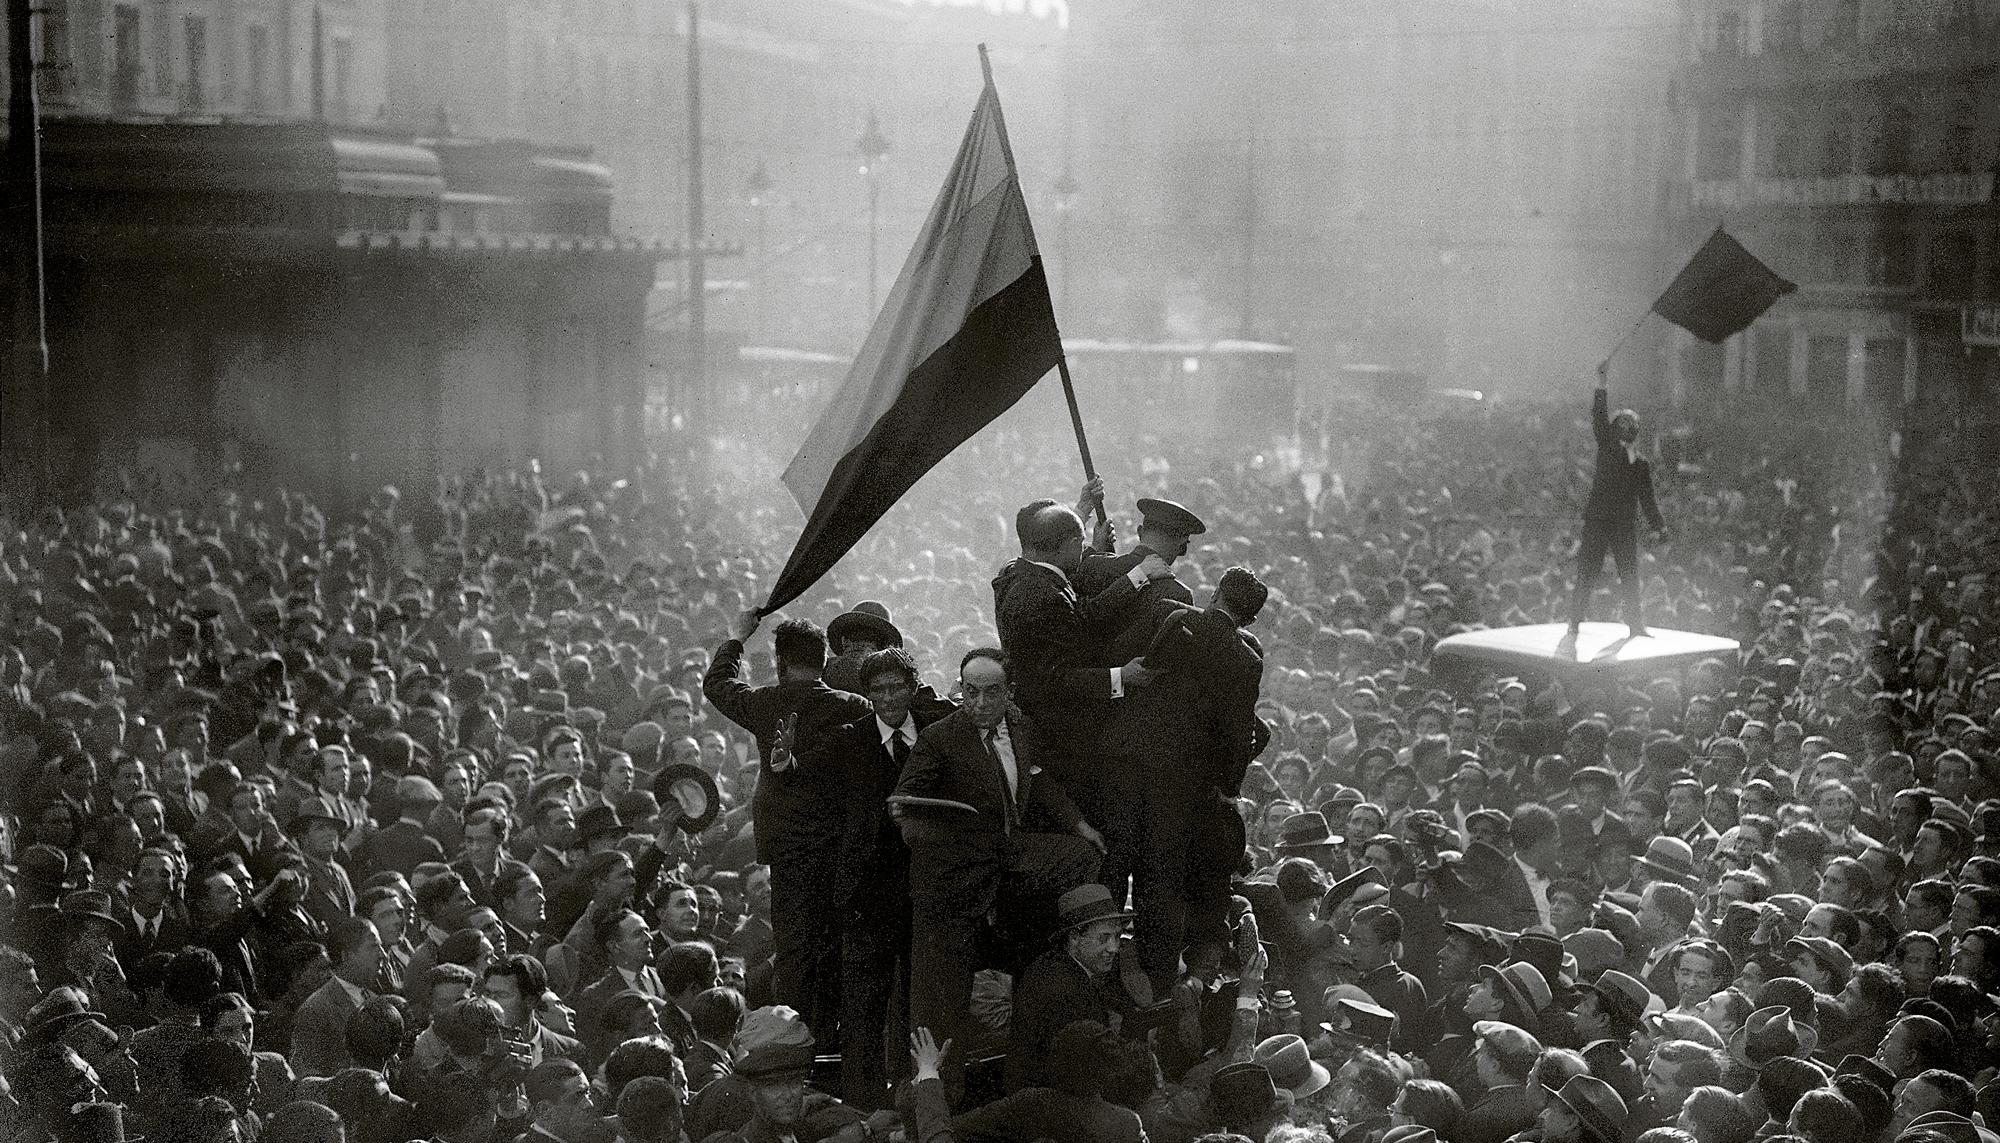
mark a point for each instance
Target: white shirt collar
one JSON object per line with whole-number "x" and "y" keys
{"x": 1530, "y": 871}
{"x": 886, "y": 732}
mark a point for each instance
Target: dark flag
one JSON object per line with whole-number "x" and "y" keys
{"x": 967, "y": 330}
{"x": 1721, "y": 290}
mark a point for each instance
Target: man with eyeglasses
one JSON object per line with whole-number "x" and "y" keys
{"x": 1013, "y": 823}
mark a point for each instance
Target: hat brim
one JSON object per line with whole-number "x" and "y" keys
{"x": 302, "y": 819}
{"x": 864, "y": 624}
{"x": 1678, "y": 876}
{"x": 1592, "y": 1119}
{"x": 74, "y": 915}
{"x": 1310, "y": 843}
{"x": 1317, "y": 1080}
{"x": 693, "y": 789}
{"x": 1521, "y": 1000}
{"x": 1064, "y": 928}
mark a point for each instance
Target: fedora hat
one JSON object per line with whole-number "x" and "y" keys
{"x": 1769, "y": 1033}
{"x": 1669, "y": 858}
{"x": 1171, "y": 516}
{"x": 1345, "y": 889}
{"x": 1290, "y": 1065}
{"x": 45, "y": 866}
{"x": 693, "y": 788}
{"x": 867, "y": 620}
{"x": 64, "y": 1006}
{"x": 1085, "y": 904}
{"x": 1594, "y": 1102}
{"x": 317, "y": 809}
{"x": 1523, "y": 983}
{"x": 1682, "y": 1026}
{"x": 1622, "y": 993}
{"x": 1306, "y": 830}
{"x": 1364, "y": 1020}
{"x": 1830, "y": 955}
{"x": 1546, "y": 953}
{"x": 89, "y": 904}
{"x": 1242, "y": 1093}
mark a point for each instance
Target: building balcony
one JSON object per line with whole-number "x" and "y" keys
{"x": 1846, "y": 64}
{"x": 1961, "y": 189}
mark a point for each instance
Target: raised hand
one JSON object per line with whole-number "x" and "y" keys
{"x": 745, "y": 625}
{"x": 1155, "y": 568}
{"x": 926, "y": 1053}
{"x": 784, "y": 743}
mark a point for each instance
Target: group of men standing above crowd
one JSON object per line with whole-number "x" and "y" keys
{"x": 304, "y": 845}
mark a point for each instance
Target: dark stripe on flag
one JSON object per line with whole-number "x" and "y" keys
{"x": 1721, "y": 290}
{"x": 1007, "y": 343}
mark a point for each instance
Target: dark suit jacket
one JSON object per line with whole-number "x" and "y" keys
{"x": 1049, "y": 995}
{"x": 1496, "y": 1117}
{"x": 1580, "y": 846}
{"x": 1101, "y": 570}
{"x": 951, "y": 761}
{"x": 400, "y": 846}
{"x": 1208, "y": 700}
{"x": 1621, "y": 485}
{"x": 1048, "y": 631}
{"x": 592, "y": 1001}
{"x": 873, "y": 859}
{"x": 790, "y": 808}
{"x": 319, "y": 1031}
{"x": 173, "y": 932}
{"x": 1487, "y": 887}
{"x": 329, "y": 892}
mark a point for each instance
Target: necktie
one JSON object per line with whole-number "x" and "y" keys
{"x": 899, "y": 749}
{"x": 1006, "y": 787}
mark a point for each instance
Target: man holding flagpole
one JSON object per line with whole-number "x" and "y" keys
{"x": 1621, "y": 486}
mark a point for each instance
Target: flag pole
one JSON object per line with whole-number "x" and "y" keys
{"x": 1062, "y": 359}
{"x": 1605, "y": 365}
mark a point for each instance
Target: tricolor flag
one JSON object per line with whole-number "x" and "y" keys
{"x": 1721, "y": 290}
{"x": 966, "y": 331}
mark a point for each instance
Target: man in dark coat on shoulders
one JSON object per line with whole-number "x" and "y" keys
{"x": 1070, "y": 982}
{"x": 796, "y": 834}
{"x": 1051, "y": 633}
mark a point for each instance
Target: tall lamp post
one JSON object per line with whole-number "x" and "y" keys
{"x": 872, "y": 148}
{"x": 757, "y": 191}
{"x": 1066, "y": 192}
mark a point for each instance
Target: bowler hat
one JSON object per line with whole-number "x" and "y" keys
{"x": 1290, "y": 1065}
{"x": 1595, "y": 1103}
{"x": 1170, "y": 516}
{"x": 1240, "y": 1094}
{"x": 1085, "y": 904}
{"x": 693, "y": 788}
{"x": 868, "y": 620}
{"x": 1669, "y": 858}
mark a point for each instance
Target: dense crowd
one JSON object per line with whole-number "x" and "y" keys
{"x": 487, "y": 814}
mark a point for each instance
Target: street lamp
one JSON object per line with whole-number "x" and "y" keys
{"x": 757, "y": 190}
{"x": 1065, "y": 192}
{"x": 872, "y": 148}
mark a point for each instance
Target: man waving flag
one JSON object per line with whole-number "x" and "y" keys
{"x": 967, "y": 329}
